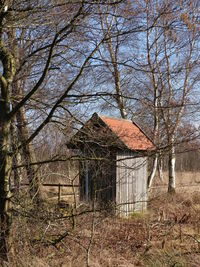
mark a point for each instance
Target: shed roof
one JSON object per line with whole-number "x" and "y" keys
{"x": 129, "y": 133}
{"x": 113, "y": 132}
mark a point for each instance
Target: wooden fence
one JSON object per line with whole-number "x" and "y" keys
{"x": 157, "y": 188}
{"x": 59, "y": 187}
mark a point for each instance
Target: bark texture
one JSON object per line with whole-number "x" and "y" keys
{"x": 172, "y": 160}
{"x": 153, "y": 171}
{"x": 6, "y": 79}
{"x": 5, "y": 169}
{"x": 27, "y": 150}
{"x": 28, "y": 155}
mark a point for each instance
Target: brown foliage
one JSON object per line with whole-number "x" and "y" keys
{"x": 141, "y": 240}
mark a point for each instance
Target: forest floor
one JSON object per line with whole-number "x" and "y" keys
{"x": 168, "y": 234}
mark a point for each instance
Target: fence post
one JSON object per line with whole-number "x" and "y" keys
{"x": 59, "y": 193}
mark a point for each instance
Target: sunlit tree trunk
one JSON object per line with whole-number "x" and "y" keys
{"x": 171, "y": 163}
{"x": 116, "y": 75}
{"x": 113, "y": 50}
{"x": 160, "y": 167}
{"x": 156, "y": 128}
{"x": 151, "y": 63}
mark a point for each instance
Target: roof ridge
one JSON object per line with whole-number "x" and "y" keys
{"x": 115, "y": 118}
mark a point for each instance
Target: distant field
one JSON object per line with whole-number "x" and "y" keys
{"x": 185, "y": 181}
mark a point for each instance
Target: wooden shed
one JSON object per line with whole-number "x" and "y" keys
{"x": 113, "y": 163}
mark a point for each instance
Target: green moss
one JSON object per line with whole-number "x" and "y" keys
{"x": 138, "y": 215}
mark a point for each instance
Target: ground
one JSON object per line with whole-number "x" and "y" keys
{"x": 168, "y": 234}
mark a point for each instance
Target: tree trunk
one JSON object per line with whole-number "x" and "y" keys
{"x": 156, "y": 130}
{"x": 6, "y": 79}
{"x": 16, "y": 157}
{"x": 160, "y": 167}
{"x": 28, "y": 152}
{"x": 153, "y": 171}
{"x": 119, "y": 97}
{"x": 5, "y": 170}
{"x": 113, "y": 48}
{"x": 29, "y": 156}
{"x": 172, "y": 178}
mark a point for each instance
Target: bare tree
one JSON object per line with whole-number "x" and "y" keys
{"x": 54, "y": 38}
{"x": 171, "y": 61}
{"x": 110, "y": 24}
{"x": 165, "y": 70}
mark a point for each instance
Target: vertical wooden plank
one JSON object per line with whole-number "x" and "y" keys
{"x": 131, "y": 182}
{"x": 128, "y": 179}
{"x": 121, "y": 185}
{"x": 137, "y": 208}
{"x": 125, "y": 177}
{"x": 138, "y": 185}
{"x": 144, "y": 206}
{"x": 132, "y": 177}
{"x": 141, "y": 183}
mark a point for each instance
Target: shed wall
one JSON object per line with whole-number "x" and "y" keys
{"x": 131, "y": 180}
{"x": 101, "y": 180}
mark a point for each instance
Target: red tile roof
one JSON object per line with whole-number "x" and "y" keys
{"x": 129, "y": 133}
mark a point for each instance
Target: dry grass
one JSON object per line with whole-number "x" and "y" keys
{"x": 182, "y": 178}
{"x": 167, "y": 235}
{"x": 186, "y": 182}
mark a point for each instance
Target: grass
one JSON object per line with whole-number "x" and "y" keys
{"x": 143, "y": 240}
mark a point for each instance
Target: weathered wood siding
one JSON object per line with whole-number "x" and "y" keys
{"x": 130, "y": 183}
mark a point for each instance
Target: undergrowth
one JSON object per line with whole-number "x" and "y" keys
{"x": 167, "y": 235}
